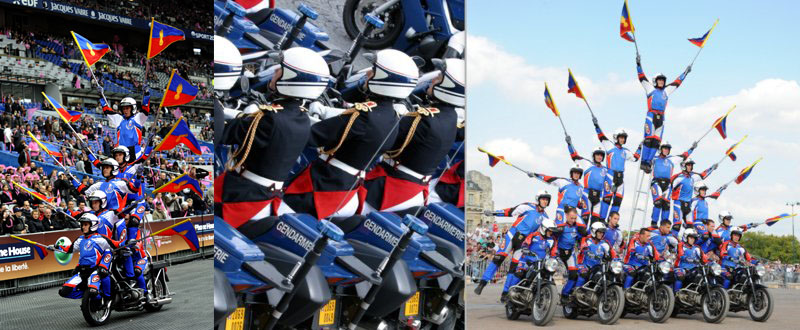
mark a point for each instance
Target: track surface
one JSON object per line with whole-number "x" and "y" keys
{"x": 191, "y": 307}
{"x": 486, "y": 312}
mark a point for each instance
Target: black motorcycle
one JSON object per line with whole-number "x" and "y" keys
{"x": 748, "y": 293}
{"x": 601, "y": 294}
{"x": 649, "y": 294}
{"x": 124, "y": 296}
{"x": 703, "y": 293}
{"x": 535, "y": 294}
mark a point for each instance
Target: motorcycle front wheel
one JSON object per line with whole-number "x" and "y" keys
{"x": 544, "y": 305}
{"x": 662, "y": 304}
{"x": 610, "y": 309}
{"x": 760, "y": 305}
{"x": 95, "y": 312}
{"x": 511, "y": 312}
{"x": 353, "y": 18}
{"x": 715, "y": 305}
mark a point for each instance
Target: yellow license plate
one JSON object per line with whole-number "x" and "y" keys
{"x": 327, "y": 315}
{"x": 412, "y": 305}
{"x": 235, "y": 321}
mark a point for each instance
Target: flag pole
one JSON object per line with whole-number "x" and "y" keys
{"x": 734, "y": 148}
{"x": 77, "y": 136}
{"x": 715, "y": 123}
{"x": 54, "y": 157}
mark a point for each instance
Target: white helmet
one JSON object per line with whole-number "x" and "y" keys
{"x": 543, "y": 194}
{"x": 120, "y": 149}
{"x": 547, "y": 224}
{"x": 91, "y": 218}
{"x": 599, "y": 150}
{"x": 700, "y": 184}
{"x": 660, "y": 76}
{"x": 724, "y": 214}
{"x": 394, "y": 74}
{"x": 227, "y": 64}
{"x": 451, "y": 89}
{"x": 128, "y": 101}
{"x": 305, "y": 74}
{"x": 110, "y": 162}
{"x": 688, "y": 161}
{"x": 456, "y": 45}
{"x": 619, "y": 132}
{"x": 690, "y": 232}
{"x": 100, "y": 196}
{"x": 598, "y": 226}
{"x": 575, "y": 168}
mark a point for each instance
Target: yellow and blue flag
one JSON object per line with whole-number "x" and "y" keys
{"x": 179, "y": 91}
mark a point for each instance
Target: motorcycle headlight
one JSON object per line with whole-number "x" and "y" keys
{"x": 665, "y": 267}
{"x": 551, "y": 265}
{"x": 716, "y": 269}
{"x": 616, "y": 267}
{"x": 761, "y": 270}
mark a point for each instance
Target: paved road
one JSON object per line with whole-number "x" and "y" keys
{"x": 191, "y": 308}
{"x": 486, "y": 312}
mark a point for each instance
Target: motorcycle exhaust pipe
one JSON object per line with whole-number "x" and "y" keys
{"x": 164, "y": 301}
{"x": 438, "y": 318}
{"x": 414, "y": 226}
{"x": 328, "y": 231}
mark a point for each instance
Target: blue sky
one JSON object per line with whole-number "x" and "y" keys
{"x": 749, "y": 60}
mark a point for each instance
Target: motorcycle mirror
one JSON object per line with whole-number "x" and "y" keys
{"x": 419, "y": 61}
{"x": 370, "y": 57}
{"x": 439, "y": 64}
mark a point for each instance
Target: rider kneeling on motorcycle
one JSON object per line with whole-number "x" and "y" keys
{"x": 593, "y": 250}
{"x": 539, "y": 245}
{"x": 689, "y": 256}
{"x": 639, "y": 251}
{"x": 730, "y": 253}
{"x": 95, "y": 257}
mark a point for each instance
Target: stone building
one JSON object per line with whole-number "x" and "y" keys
{"x": 479, "y": 198}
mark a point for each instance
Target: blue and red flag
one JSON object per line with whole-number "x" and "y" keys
{"x": 34, "y": 193}
{"x": 146, "y": 104}
{"x": 720, "y": 124}
{"x": 548, "y": 100}
{"x": 177, "y": 184}
{"x": 773, "y": 220}
{"x": 494, "y": 160}
{"x": 746, "y": 172}
{"x": 184, "y": 229}
{"x": 91, "y": 52}
{"x": 38, "y": 247}
{"x": 66, "y": 115}
{"x": 179, "y": 134}
{"x": 47, "y": 148}
{"x": 161, "y": 36}
{"x": 572, "y": 84}
{"x": 179, "y": 91}
{"x": 730, "y": 153}
{"x": 626, "y": 29}
{"x": 700, "y": 42}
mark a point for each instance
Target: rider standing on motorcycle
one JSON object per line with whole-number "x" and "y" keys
{"x": 593, "y": 251}
{"x": 129, "y": 122}
{"x": 116, "y": 189}
{"x": 94, "y": 258}
{"x": 271, "y": 136}
{"x": 613, "y": 234}
{"x": 689, "y": 256}
{"x": 571, "y": 192}
{"x": 725, "y": 227}
{"x": 569, "y": 232}
{"x": 539, "y": 244}
{"x": 700, "y": 204}
{"x": 425, "y": 137}
{"x": 682, "y": 186}
{"x": 525, "y": 224}
{"x": 639, "y": 252}
{"x": 730, "y": 254}
{"x": 660, "y": 188}
{"x": 616, "y": 157}
{"x": 596, "y": 181}
{"x": 657, "y": 96}
{"x": 351, "y": 140}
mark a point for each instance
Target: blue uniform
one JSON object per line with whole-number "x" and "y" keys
{"x": 682, "y": 187}
{"x": 94, "y": 252}
{"x": 662, "y": 242}
{"x": 616, "y": 156}
{"x": 637, "y": 255}
{"x": 567, "y": 238}
{"x": 730, "y": 253}
{"x": 660, "y": 188}
{"x": 129, "y": 129}
{"x": 688, "y": 257}
{"x": 540, "y": 247}
{"x": 117, "y": 191}
{"x": 656, "y": 107}
{"x": 570, "y": 192}
{"x": 525, "y": 224}
{"x": 592, "y": 252}
{"x": 596, "y": 181}
{"x": 614, "y": 237}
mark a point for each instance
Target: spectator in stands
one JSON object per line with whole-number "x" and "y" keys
{"x": 6, "y": 197}
{"x": 34, "y": 222}
{"x": 107, "y": 144}
{"x": 8, "y": 222}
{"x": 22, "y": 149}
{"x": 7, "y": 138}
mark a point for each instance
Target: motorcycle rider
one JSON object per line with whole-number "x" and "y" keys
{"x": 350, "y": 140}
{"x": 730, "y": 253}
{"x": 596, "y": 181}
{"x": 539, "y": 244}
{"x": 657, "y": 96}
{"x": 709, "y": 239}
{"x": 271, "y": 136}
{"x": 613, "y": 233}
{"x": 725, "y": 227}
{"x": 94, "y": 259}
{"x": 128, "y": 122}
{"x": 664, "y": 238}
{"x": 616, "y": 157}
{"x": 689, "y": 256}
{"x": 116, "y": 189}
{"x": 660, "y": 187}
{"x": 593, "y": 251}
{"x": 571, "y": 192}
{"x": 113, "y": 228}
{"x": 639, "y": 252}
{"x": 682, "y": 185}
{"x": 700, "y": 204}
{"x": 525, "y": 224}
{"x": 425, "y": 137}
{"x": 569, "y": 233}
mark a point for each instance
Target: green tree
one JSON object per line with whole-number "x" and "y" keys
{"x": 771, "y": 247}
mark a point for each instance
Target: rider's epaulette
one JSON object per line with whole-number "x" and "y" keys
{"x": 270, "y": 107}
{"x": 430, "y": 112}
{"x": 365, "y": 106}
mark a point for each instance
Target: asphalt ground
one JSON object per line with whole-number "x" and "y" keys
{"x": 191, "y": 307}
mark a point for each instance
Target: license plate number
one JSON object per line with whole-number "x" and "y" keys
{"x": 412, "y": 305}
{"x": 235, "y": 321}
{"x": 327, "y": 315}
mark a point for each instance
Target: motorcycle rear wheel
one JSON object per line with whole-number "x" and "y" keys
{"x": 660, "y": 310}
{"x": 353, "y": 20}
{"x": 544, "y": 305}
{"x": 91, "y": 313}
{"x": 715, "y": 305}
{"x": 764, "y": 301}
{"x": 156, "y": 290}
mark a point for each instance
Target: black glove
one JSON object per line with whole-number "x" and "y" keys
{"x": 102, "y": 272}
{"x": 487, "y": 212}
{"x": 638, "y": 60}
{"x": 568, "y": 139}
